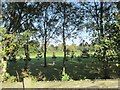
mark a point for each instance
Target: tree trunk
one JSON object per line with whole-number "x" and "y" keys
{"x": 105, "y": 66}
{"x": 104, "y": 59}
{"x": 106, "y": 71}
{"x": 26, "y": 66}
{"x": 45, "y": 39}
{"x": 64, "y": 43}
{"x": 101, "y": 21}
{"x": 27, "y": 59}
{"x": 45, "y": 50}
{"x": 64, "y": 49}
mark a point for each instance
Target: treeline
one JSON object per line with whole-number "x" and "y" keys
{"x": 26, "y": 23}
{"x": 72, "y": 47}
{"x": 59, "y": 48}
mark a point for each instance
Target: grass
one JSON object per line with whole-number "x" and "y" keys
{"x": 50, "y": 54}
{"x": 87, "y": 68}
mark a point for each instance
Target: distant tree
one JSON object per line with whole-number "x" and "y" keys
{"x": 54, "y": 57}
{"x": 72, "y": 47}
{"x": 86, "y": 43}
{"x": 68, "y": 52}
{"x": 80, "y": 44}
{"x": 72, "y": 54}
{"x": 60, "y": 47}
{"x": 51, "y": 48}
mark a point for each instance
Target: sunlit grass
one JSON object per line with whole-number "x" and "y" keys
{"x": 88, "y": 68}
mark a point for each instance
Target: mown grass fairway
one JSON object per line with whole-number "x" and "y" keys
{"x": 87, "y": 68}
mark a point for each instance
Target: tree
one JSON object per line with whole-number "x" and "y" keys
{"x": 34, "y": 45}
{"x": 3, "y": 55}
{"x": 18, "y": 19}
{"x": 51, "y": 48}
{"x": 102, "y": 16}
{"x": 47, "y": 22}
{"x": 60, "y": 47}
{"x": 70, "y": 22}
{"x": 114, "y": 34}
{"x": 72, "y": 47}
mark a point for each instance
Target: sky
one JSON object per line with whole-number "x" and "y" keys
{"x": 83, "y": 35}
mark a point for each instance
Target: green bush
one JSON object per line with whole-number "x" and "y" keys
{"x": 65, "y": 76}
{"x": 33, "y": 78}
{"x": 5, "y": 76}
{"x": 39, "y": 77}
{"x": 12, "y": 79}
{"x": 8, "y": 78}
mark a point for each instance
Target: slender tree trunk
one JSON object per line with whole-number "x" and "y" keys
{"x": 27, "y": 59}
{"x": 45, "y": 40}
{"x": 101, "y": 19}
{"x": 64, "y": 49}
{"x": 104, "y": 59}
{"x": 64, "y": 43}
{"x": 45, "y": 50}
{"x": 97, "y": 22}
{"x": 105, "y": 65}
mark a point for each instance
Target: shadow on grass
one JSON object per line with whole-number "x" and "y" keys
{"x": 84, "y": 69}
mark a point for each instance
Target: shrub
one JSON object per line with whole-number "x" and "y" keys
{"x": 26, "y": 73}
{"x": 12, "y": 79}
{"x": 8, "y": 78}
{"x": 41, "y": 77}
{"x": 33, "y": 78}
{"x": 65, "y": 76}
{"x": 5, "y": 76}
